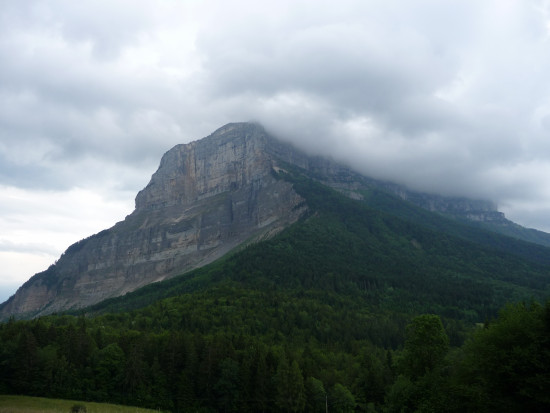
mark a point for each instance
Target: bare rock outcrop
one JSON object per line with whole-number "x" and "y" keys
{"x": 206, "y": 198}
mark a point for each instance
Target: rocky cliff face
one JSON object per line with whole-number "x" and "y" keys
{"x": 206, "y": 198}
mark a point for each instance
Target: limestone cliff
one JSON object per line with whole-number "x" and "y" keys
{"x": 206, "y": 198}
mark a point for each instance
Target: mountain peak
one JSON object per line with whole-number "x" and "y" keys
{"x": 226, "y": 160}
{"x": 206, "y": 198}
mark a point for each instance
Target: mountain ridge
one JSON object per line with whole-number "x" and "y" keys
{"x": 380, "y": 259}
{"x": 193, "y": 211}
{"x": 206, "y": 198}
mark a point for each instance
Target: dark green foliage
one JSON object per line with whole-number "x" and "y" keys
{"x": 483, "y": 234}
{"x": 205, "y": 357}
{"x": 342, "y": 400}
{"x": 311, "y": 318}
{"x": 506, "y": 365}
{"x": 316, "y": 396}
{"x": 227, "y": 386}
{"x": 289, "y": 385}
{"x": 426, "y": 344}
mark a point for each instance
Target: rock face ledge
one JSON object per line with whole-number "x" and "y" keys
{"x": 206, "y": 198}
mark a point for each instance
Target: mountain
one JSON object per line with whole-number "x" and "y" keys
{"x": 206, "y": 198}
{"x": 211, "y": 196}
{"x": 405, "y": 261}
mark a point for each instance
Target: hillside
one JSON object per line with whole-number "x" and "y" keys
{"x": 222, "y": 192}
{"x": 406, "y": 259}
{"x": 314, "y": 316}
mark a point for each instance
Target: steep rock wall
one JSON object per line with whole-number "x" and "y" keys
{"x": 206, "y": 198}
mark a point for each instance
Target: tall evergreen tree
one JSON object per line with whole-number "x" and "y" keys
{"x": 289, "y": 385}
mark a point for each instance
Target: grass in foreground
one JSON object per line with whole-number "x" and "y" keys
{"x": 25, "y": 404}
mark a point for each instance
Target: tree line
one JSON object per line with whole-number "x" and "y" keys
{"x": 502, "y": 366}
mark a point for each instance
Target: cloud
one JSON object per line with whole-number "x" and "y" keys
{"x": 449, "y": 97}
{"x": 37, "y": 226}
{"x": 442, "y": 106}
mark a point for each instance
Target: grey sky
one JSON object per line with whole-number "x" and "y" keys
{"x": 443, "y": 96}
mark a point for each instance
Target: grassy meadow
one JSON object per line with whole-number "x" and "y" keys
{"x": 24, "y": 404}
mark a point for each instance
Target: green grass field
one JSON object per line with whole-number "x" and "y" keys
{"x": 24, "y": 404}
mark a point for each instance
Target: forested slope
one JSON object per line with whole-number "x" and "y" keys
{"x": 313, "y": 317}
{"x": 387, "y": 254}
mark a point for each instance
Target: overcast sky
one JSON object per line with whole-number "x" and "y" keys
{"x": 443, "y": 96}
